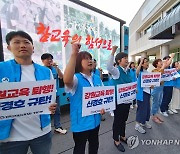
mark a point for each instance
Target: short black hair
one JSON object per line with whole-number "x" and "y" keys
{"x": 46, "y": 56}
{"x": 13, "y": 34}
{"x": 174, "y": 63}
{"x": 131, "y": 64}
{"x": 166, "y": 57}
{"x": 119, "y": 56}
{"x": 139, "y": 61}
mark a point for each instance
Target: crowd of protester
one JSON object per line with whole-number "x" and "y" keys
{"x": 17, "y": 135}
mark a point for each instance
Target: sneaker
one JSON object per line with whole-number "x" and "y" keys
{"x": 146, "y": 125}
{"x": 131, "y": 106}
{"x": 112, "y": 114}
{"x": 170, "y": 112}
{"x": 139, "y": 129}
{"x": 174, "y": 111}
{"x": 60, "y": 130}
{"x": 164, "y": 114}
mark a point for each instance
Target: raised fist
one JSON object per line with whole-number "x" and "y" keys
{"x": 76, "y": 47}
{"x": 114, "y": 48}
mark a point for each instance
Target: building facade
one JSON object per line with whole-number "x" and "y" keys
{"x": 155, "y": 29}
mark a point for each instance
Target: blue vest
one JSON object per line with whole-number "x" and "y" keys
{"x": 79, "y": 123}
{"x": 11, "y": 71}
{"x": 133, "y": 74}
{"x": 177, "y": 82}
{"x": 139, "y": 95}
{"x": 56, "y": 77}
{"x": 169, "y": 83}
{"x": 97, "y": 72}
{"x": 123, "y": 78}
{"x": 110, "y": 82}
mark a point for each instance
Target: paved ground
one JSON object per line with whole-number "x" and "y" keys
{"x": 169, "y": 130}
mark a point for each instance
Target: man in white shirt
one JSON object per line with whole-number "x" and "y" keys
{"x": 17, "y": 135}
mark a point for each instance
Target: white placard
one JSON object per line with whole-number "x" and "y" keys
{"x": 126, "y": 93}
{"x": 150, "y": 79}
{"x": 169, "y": 74}
{"x": 19, "y": 99}
{"x": 97, "y": 98}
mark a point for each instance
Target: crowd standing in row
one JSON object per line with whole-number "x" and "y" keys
{"x": 17, "y": 135}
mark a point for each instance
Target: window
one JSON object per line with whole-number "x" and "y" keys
{"x": 171, "y": 9}
{"x": 156, "y": 21}
{"x": 147, "y": 30}
{"x": 168, "y": 12}
{"x": 175, "y": 6}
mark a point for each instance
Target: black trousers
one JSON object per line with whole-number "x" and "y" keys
{"x": 134, "y": 102}
{"x": 81, "y": 138}
{"x": 167, "y": 96}
{"x": 120, "y": 117}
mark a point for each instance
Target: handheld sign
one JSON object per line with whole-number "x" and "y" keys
{"x": 126, "y": 93}
{"x": 150, "y": 79}
{"x": 169, "y": 74}
{"x": 97, "y": 98}
{"x": 19, "y": 99}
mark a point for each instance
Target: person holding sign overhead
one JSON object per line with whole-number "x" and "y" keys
{"x": 120, "y": 75}
{"x": 78, "y": 74}
{"x": 175, "y": 102}
{"x": 143, "y": 99}
{"x": 17, "y": 135}
{"x": 167, "y": 94}
{"x": 157, "y": 92}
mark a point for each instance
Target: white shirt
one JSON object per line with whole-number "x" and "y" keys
{"x": 114, "y": 71}
{"x": 146, "y": 89}
{"x": 111, "y": 69}
{"x": 29, "y": 127}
